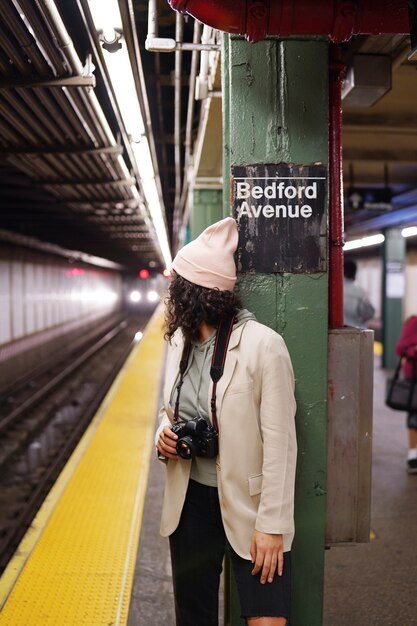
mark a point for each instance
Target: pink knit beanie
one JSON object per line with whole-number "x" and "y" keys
{"x": 208, "y": 260}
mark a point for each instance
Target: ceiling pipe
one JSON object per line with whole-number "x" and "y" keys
{"x": 154, "y": 43}
{"x": 190, "y": 117}
{"x": 179, "y": 35}
{"x": 338, "y": 19}
{"x": 52, "y": 16}
{"x": 201, "y": 87}
{"x": 33, "y": 15}
{"x": 27, "y": 42}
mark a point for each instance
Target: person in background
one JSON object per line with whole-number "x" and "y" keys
{"x": 407, "y": 347}
{"x": 240, "y": 493}
{"x": 357, "y": 308}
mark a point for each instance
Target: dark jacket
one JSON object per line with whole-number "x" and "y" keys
{"x": 407, "y": 345}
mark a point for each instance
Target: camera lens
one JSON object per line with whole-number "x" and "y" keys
{"x": 186, "y": 448}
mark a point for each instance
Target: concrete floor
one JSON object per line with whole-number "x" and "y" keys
{"x": 372, "y": 584}
{"x": 152, "y": 597}
{"x": 375, "y": 584}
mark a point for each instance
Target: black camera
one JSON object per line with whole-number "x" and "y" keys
{"x": 196, "y": 438}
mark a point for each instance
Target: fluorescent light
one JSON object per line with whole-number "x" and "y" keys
{"x": 106, "y": 17}
{"x": 144, "y": 161}
{"x": 410, "y": 231}
{"x": 143, "y": 158}
{"x": 373, "y": 240}
{"x": 118, "y": 65}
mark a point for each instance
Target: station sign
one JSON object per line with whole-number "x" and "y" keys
{"x": 395, "y": 279}
{"x": 281, "y": 214}
{"x": 364, "y": 198}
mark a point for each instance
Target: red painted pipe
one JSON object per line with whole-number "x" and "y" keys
{"x": 337, "y": 72}
{"x": 338, "y": 19}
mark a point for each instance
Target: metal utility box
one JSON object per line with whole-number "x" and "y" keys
{"x": 349, "y": 438}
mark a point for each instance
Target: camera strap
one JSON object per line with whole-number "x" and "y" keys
{"x": 183, "y": 366}
{"x": 216, "y": 370}
{"x": 217, "y": 362}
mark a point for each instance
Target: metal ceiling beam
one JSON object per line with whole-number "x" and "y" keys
{"x": 383, "y": 156}
{"x": 81, "y": 183}
{"x": 14, "y": 218}
{"x": 66, "y": 81}
{"x": 407, "y": 197}
{"x": 378, "y": 130}
{"x": 400, "y": 217}
{"x": 31, "y": 242}
{"x": 379, "y": 120}
{"x": 101, "y": 219}
{"x": 35, "y": 217}
{"x": 27, "y": 151}
{"x": 42, "y": 203}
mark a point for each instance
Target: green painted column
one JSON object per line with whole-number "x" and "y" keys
{"x": 207, "y": 208}
{"x": 393, "y": 290}
{"x": 276, "y": 110}
{"x": 226, "y": 88}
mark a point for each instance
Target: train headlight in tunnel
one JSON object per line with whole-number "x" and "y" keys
{"x": 152, "y": 296}
{"x": 135, "y": 296}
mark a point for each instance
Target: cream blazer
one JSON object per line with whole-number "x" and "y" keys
{"x": 257, "y": 442}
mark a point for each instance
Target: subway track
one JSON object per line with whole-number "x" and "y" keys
{"x": 42, "y": 419}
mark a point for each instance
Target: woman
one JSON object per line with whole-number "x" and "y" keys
{"x": 243, "y": 495}
{"x": 407, "y": 347}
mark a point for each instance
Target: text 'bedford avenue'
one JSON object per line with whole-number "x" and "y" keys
{"x": 297, "y": 194}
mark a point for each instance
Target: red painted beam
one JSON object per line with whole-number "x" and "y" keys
{"x": 338, "y": 19}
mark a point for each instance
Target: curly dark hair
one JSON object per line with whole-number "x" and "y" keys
{"x": 187, "y": 305}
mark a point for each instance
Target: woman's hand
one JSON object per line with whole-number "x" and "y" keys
{"x": 166, "y": 443}
{"x": 267, "y": 552}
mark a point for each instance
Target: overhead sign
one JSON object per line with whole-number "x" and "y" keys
{"x": 281, "y": 214}
{"x": 369, "y": 199}
{"x": 395, "y": 279}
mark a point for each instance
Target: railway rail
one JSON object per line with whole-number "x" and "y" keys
{"x": 42, "y": 419}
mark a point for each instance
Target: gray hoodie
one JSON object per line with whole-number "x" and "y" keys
{"x": 194, "y": 396}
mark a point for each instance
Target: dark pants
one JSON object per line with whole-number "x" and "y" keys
{"x": 197, "y": 550}
{"x": 412, "y": 420}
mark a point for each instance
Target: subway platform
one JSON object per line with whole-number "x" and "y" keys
{"x": 94, "y": 555}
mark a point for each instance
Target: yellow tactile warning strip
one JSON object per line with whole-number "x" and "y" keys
{"x": 80, "y": 571}
{"x": 378, "y": 348}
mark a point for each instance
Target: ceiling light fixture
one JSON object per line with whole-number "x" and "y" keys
{"x": 410, "y": 231}
{"x": 372, "y": 240}
{"x": 107, "y": 18}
